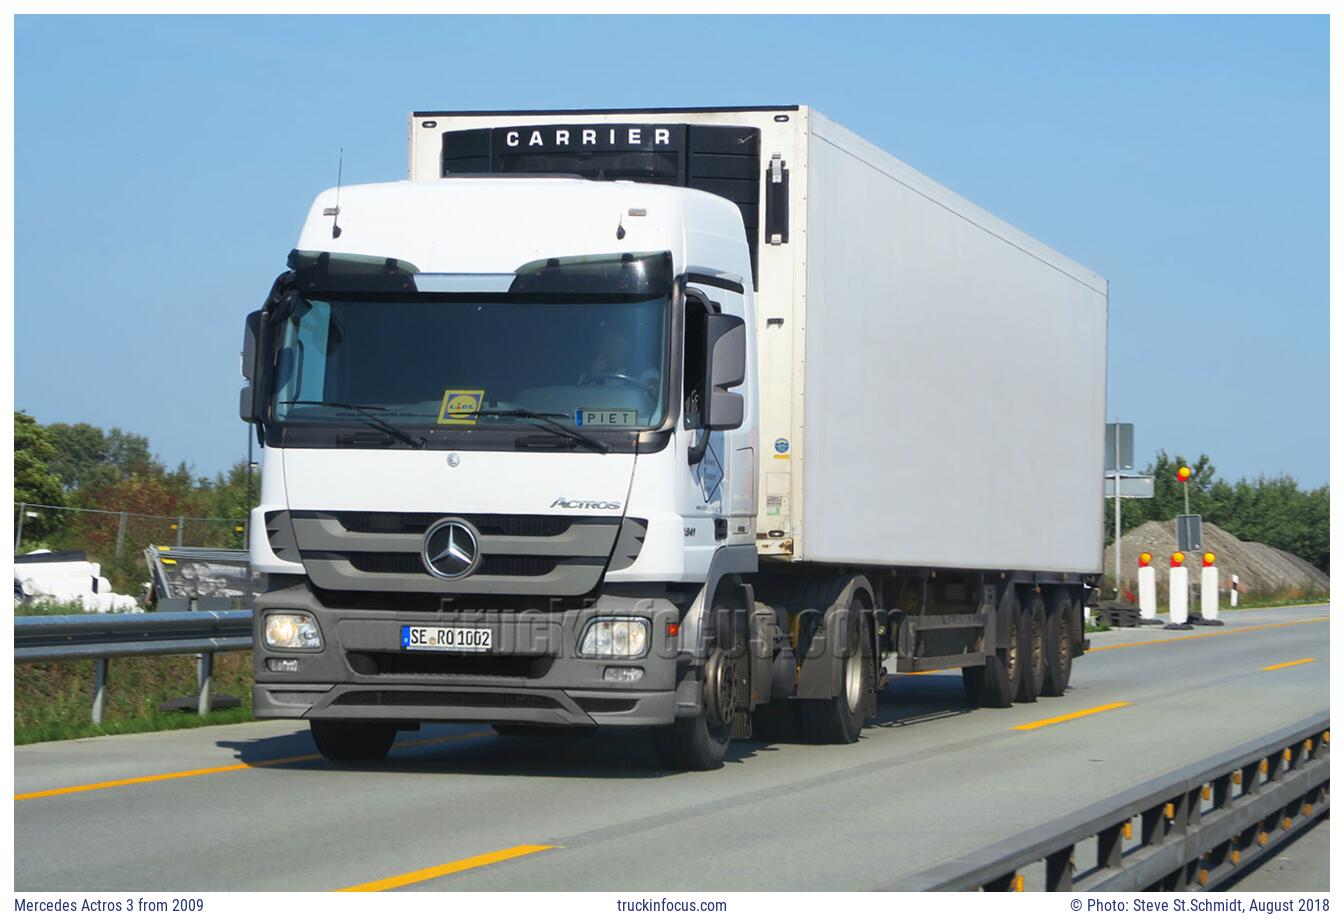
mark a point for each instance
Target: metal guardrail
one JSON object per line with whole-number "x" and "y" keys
{"x": 1195, "y": 825}
{"x": 105, "y": 636}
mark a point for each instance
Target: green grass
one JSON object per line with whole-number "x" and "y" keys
{"x": 49, "y": 609}
{"x": 1292, "y": 598}
{"x": 52, "y": 700}
{"x": 156, "y": 722}
{"x": 1287, "y": 599}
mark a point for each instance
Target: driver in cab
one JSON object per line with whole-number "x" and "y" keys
{"x": 615, "y": 364}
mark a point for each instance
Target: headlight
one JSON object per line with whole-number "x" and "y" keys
{"x": 627, "y": 637}
{"x": 292, "y": 630}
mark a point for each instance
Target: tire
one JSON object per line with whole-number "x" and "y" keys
{"x": 973, "y": 684}
{"x": 840, "y": 719}
{"x": 1003, "y": 672}
{"x": 1032, "y": 656}
{"x": 356, "y": 742}
{"x": 701, "y": 741}
{"x": 1058, "y": 646}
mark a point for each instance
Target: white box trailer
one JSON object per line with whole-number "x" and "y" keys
{"x": 932, "y": 379}
{"x": 714, "y": 449}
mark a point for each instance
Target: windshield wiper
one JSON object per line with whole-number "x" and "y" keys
{"x": 549, "y": 420}
{"x": 367, "y": 413}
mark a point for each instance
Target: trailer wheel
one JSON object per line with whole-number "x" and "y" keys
{"x": 358, "y": 742}
{"x": 1058, "y": 646}
{"x": 1032, "y": 656}
{"x": 1003, "y": 671}
{"x": 701, "y": 742}
{"x": 840, "y": 719}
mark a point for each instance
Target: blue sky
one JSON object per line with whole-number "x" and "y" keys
{"x": 164, "y": 165}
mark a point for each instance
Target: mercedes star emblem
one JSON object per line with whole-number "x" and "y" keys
{"x": 451, "y": 548}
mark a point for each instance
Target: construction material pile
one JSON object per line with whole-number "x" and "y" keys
{"x": 1262, "y": 570}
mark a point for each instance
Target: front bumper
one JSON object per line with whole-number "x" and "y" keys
{"x": 533, "y": 675}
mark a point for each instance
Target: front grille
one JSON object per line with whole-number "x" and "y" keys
{"x": 502, "y": 525}
{"x": 447, "y": 664}
{"x": 431, "y": 698}
{"x": 410, "y": 564}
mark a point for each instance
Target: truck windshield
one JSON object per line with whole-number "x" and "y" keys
{"x": 595, "y": 361}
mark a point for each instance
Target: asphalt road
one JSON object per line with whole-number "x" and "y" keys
{"x": 251, "y": 807}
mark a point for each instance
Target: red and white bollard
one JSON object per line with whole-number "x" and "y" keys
{"x": 1208, "y": 592}
{"x": 1178, "y": 592}
{"x": 1147, "y": 588}
{"x": 1208, "y": 588}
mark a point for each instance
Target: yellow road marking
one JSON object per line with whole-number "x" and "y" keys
{"x": 230, "y": 768}
{"x": 1029, "y": 726}
{"x": 1288, "y": 664}
{"x": 206, "y": 771}
{"x": 461, "y": 865}
{"x": 1208, "y": 635}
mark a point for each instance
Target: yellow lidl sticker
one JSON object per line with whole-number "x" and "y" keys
{"x": 460, "y": 407}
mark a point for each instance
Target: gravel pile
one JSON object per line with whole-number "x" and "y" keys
{"x": 1262, "y": 569}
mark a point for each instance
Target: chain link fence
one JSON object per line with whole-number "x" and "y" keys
{"x": 117, "y": 539}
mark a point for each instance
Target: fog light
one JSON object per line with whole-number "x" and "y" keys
{"x": 623, "y": 675}
{"x": 624, "y": 637}
{"x": 282, "y": 664}
{"x": 292, "y": 630}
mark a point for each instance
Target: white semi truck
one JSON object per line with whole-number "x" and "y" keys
{"x": 703, "y": 420}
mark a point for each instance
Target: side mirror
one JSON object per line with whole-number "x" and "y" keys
{"x": 247, "y": 407}
{"x": 725, "y": 366}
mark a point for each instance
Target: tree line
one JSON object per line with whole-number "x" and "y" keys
{"x": 1273, "y": 510}
{"x": 83, "y": 466}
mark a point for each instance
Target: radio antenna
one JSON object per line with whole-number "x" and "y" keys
{"x": 336, "y": 211}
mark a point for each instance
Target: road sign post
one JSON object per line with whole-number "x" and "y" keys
{"x": 1119, "y": 456}
{"x": 1189, "y": 533}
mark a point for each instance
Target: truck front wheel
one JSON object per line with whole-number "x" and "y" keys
{"x": 362, "y": 742}
{"x": 701, "y": 742}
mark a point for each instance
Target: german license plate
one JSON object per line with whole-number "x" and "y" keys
{"x": 446, "y": 638}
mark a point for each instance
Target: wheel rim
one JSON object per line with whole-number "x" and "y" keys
{"x": 1012, "y": 649}
{"x": 854, "y": 680}
{"x": 719, "y": 679}
{"x": 1038, "y": 645}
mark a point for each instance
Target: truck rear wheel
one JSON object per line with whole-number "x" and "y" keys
{"x": 357, "y": 742}
{"x": 1032, "y": 656}
{"x": 1058, "y": 646}
{"x": 1002, "y": 672}
{"x": 840, "y": 719}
